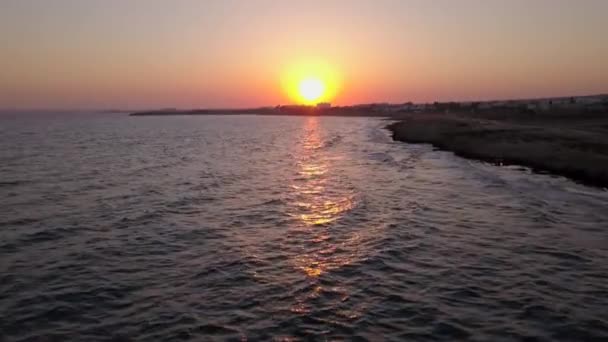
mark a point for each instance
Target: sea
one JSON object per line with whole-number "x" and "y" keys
{"x": 276, "y": 228}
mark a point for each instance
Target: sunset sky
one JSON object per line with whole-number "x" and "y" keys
{"x": 205, "y": 53}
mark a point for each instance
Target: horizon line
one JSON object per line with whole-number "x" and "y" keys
{"x": 115, "y": 109}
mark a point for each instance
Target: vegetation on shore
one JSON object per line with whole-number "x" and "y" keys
{"x": 575, "y": 146}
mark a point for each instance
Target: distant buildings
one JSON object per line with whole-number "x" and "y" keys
{"x": 576, "y": 104}
{"x": 572, "y": 104}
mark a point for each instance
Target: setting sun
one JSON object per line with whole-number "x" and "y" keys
{"x": 311, "y": 90}
{"x": 310, "y": 82}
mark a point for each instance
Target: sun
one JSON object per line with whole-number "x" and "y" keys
{"x": 309, "y": 82}
{"x": 311, "y": 89}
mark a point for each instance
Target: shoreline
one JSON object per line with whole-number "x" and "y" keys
{"x": 291, "y": 111}
{"x": 573, "y": 146}
{"x": 569, "y": 144}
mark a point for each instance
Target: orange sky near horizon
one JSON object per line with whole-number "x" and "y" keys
{"x": 150, "y": 54}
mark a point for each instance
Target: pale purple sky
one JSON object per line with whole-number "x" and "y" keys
{"x": 229, "y": 53}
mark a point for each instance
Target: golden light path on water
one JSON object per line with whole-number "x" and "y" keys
{"x": 321, "y": 201}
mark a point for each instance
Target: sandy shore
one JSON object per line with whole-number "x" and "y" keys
{"x": 575, "y": 146}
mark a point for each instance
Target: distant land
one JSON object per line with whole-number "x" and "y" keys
{"x": 572, "y": 104}
{"x": 278, "y": 110}
{"x": 565, "y": 136}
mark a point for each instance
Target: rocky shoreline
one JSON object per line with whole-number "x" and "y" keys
{"x": 574, "y": 146}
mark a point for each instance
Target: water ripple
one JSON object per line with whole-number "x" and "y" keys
{"x": 284, "y": 228}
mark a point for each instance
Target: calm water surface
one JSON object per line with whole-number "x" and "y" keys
{"x": 287, "y": 228}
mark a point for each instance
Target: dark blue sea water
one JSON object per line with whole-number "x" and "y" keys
{"x": 116, "y": 228}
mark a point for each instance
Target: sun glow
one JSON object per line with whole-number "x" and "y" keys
{"x": 311, "y": 89}
{"x": 310, "y": 83}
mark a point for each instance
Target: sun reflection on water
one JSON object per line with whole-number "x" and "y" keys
{"x": 319, "y": 202}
